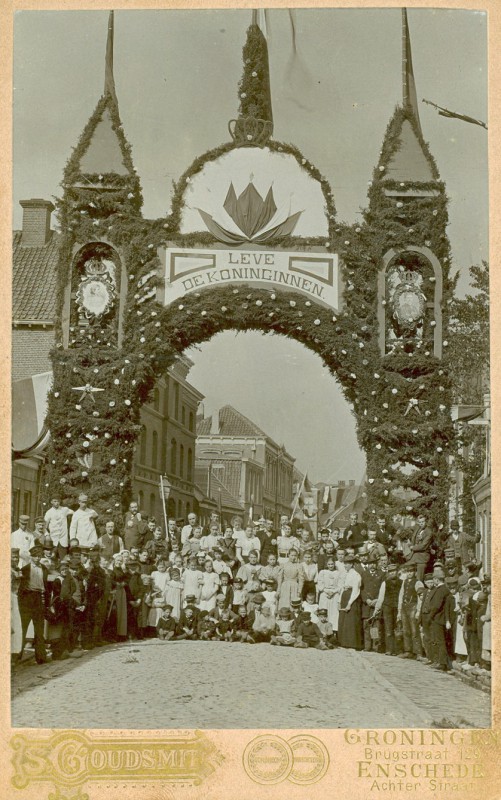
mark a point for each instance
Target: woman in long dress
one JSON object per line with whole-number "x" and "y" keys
{"x": 120, "y": 583}
{"x": 290, "y": 580}
{"x": 210, "y": 587}
{"x": 350, "y": 608}
{"x": 330, "y": 582}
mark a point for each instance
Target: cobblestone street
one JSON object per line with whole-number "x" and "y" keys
{"x": 155, "y": 684}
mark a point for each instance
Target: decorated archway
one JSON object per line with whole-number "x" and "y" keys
{"x": 134, "y": 294}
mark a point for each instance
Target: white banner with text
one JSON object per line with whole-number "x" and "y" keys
{"x": 316, "y": 275}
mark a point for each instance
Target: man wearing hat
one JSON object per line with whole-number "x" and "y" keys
{"x": 451, "y": 568}
{"x": 387, "y": 602}
{"x": 407, "y": 606}
{"x": 440, "y": 620}
{"x": 424, "y": 614}
{"x": 33, "y": 597}
{"x": 94, "y": 600}
{"x": 22, "y": 539}
{"x": 82, "y": 525}
{"x": 56, "y": 520}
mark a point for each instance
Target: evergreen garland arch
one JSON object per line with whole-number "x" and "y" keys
{"x": 401, "y": 401}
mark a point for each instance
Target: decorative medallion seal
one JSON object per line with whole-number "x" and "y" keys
{"x": 267, "y": 759}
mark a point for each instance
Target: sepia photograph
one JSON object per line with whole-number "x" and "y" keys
{"x": 251, "y": 408}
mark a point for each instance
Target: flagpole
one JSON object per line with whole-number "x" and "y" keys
{"x": 405, "y": 87}
{"x": 296, "y": 502}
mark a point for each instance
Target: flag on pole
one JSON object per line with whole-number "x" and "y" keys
{"x": 299, "y": 84}
{"x": 260, "y": 18}
{"x": 109, "y": 80}
{"x": 298, "y": 499}
{"x": 444, "y": 112}
{"x": 408, "y": 82}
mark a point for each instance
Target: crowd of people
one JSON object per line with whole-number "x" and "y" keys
{"x": 371, "y": 586}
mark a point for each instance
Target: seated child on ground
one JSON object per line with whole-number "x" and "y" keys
{"x": 166, "y": 625}
{"x": 187, "y": 625}
{"x": 242, "y": 626}
{"x": 224, "y": 626}
{"x": 325, "y": 628}
{"x": 308, "y": 634}
{"x": 284, "y": 629}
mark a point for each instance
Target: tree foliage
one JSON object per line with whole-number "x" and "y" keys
{"x": 470, "y": 357}
{"x": 469, "y": 339}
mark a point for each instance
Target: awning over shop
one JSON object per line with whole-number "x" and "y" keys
{"x": 29, "y": 408}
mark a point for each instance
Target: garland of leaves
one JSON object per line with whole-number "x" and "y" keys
{"x": 254, "y": 87}
{"x": 406, "y": 450}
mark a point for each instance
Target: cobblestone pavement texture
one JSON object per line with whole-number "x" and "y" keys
{"x": 157, "y": 684}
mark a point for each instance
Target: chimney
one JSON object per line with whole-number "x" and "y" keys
{"x": 351, "y": 483}
{"x": 214, "y": 424}
{"x": 341, "y": 483}
{"x": 36, "y": 222}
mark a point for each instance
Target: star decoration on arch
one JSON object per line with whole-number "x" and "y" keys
{"x": 87, "y": 391}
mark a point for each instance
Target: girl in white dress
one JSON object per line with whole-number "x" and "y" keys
{"x": 330, "y": 581}
{"x": 210, "y": 587}
{"x": 173, "y": 593}
{"x": 159, "y": 581}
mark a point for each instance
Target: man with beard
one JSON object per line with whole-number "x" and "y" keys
{"x": 134, "y": 527}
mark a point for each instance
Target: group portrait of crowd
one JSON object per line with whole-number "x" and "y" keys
{"x": 80, "y": 583}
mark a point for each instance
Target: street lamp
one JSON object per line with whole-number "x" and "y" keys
{"x": 165, "y": 490}
{"x": 276, "y": 461}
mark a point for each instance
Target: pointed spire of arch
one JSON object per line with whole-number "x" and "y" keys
{"x": 409, "y": 95}
{"x": 109, "y": 78}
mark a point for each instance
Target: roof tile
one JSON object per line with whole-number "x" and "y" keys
{"x": 34, "y": 279}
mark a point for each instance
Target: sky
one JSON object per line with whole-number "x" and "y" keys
{"x": 176, "y": 75}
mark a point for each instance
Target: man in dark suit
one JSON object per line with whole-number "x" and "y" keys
{"x": 420, "y": 545}
{"x": 268, "y": 541}
{"x": 384, "y": 532}
{"x": 355, "y": 534}
{"x": 440, "y": 622}
{"x": 33, "y": 598}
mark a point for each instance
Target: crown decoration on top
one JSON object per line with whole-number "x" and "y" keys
{"x": 250, "y": 131}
